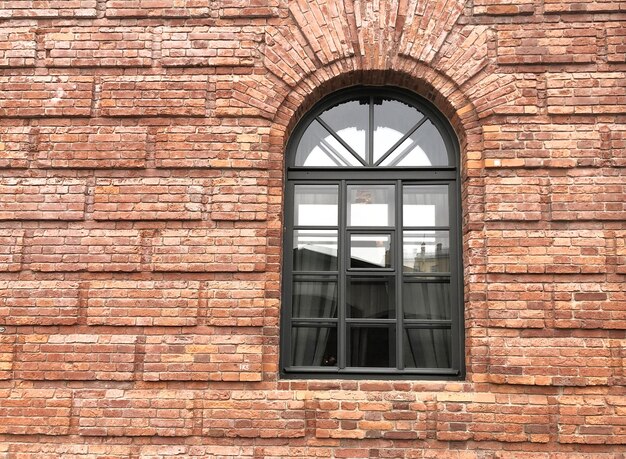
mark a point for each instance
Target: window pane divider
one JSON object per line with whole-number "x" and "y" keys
{"x": 340, "y": 140}
{"x": 401, "y": 141}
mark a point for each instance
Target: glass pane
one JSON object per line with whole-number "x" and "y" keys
{"x": 314, "y": 346}
{"x": 315, "y": 250}
{"x": 426, "y": 300}
{"x": 426, "y": 252}
{"x": 371, "y": 346}
{"x": 392, "y": 120}
{"x": 425, "y": 147}
{"x": 316, "y": 205}
{"x": 371, "y": 205}
{"x": 371, "y": 298}
{"x": 315, "y": 299}
{"x": 425, "y": 205}
{"x": 427, "y": 348}
{"x": 370, "y": 251}
{"x": 350, "y": 121}
{"x": 318, "y": 148}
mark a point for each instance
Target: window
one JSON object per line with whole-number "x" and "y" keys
{"x": 372, "y": 266}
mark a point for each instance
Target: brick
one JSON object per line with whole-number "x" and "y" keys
{"x": 148, "y": 199}
{"x": 7, "y": 356}
{"x": 588, "y": 196}
{"x": 245, "y": 98}
{"x": 69, "y": 450}
{"x": 92, "y": 147}
{"x": 215, "y": 356}
{"x": 152, "y": 8}
{"x": 18, "y": 47}
{"x": 42, "y": 199}
{"x": 285, "y": 55}
{"x": 98, "y": 47}
{"x": 235, "y": 9}
{"x": 589, "y": 305}
{"x": 465, "y": 53}
{"x": 616, "y": 42}
{"x": 546, "y": 251}
{"x": 511, "y": 419}
{"x": 503, "y": 7}
{"x": 39, "y": 302}
{"x": 209, "y": 250}
{"x": 75, "y": 357}
{"x": 154, "y": 95}
{"x": 84, "y": 250}
{"x": 11, "y": 249}
{"x": 239, "y": 198}
{"x": 591, "y": 419}
{"x": 47, "y": 8}
{"x": 515, "y": 358}
{"x": 15, "y": 146}
{"x": 514, "y": 199}
{"x": 210, "y": 46}
{"x": 39, "y": 96}
{"x": 513, "y": 304}
{"x": 585, "y": 93}
{"x": 142, "y": 303}
{"x": 212, "y": 147}
{"x": 35, "y": 411}
{"x": 276, "y": 415}
{"x": 582, "y": 6}
{"x": 505, "y": 94}
{"x": 236, "y": 302}
{"x": 134, "y": 413}
{"x": 620, "y": 251}
{"x": 547, "y": 44}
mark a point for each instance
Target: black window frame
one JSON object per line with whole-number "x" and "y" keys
{"x": 399, "y": 176}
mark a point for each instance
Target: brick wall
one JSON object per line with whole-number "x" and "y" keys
{"x": 141, "y": 163}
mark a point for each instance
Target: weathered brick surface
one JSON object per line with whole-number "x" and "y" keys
{"x": 38, "y": 96}
{"x": 42, "y": 199}
{"x": 92, "y": 147}
{"x": 154, "y": 96}
{"x": 18, "y": 47}
{"x": 209, "y": 250}
{"x": 39, "y": 302}
{"x": 134, "y": 413}
{"x": 74, "y": 357}
{"x": 210, "y": 46}
{"x": 14, "y": 146}
{"x": 145, "y": 303}
{"x": 547, "y": 44}
{"x": 98, "y": 47}
{"x": 215, "y": 356}
{"x": 148, "y": 199}
{"x": 142, "y": 157}
{"x": 47, "y": 8}
{"x": 78, "y": 250}
{"x": 35, "y": 411}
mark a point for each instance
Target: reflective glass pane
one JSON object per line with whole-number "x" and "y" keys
{"x": 315, "y": 250}
{"x": 315, "y": 299}
{"x": 371, "y": 346}
{"x": 350, "y": 121}
{"x": 314, "y": 346}
{"x": 425, "y": 205}
{"x": 370, "y": 251}
{"x": 316, "y": 205}
{"x": 426, "y": 252}
{"x": 425, "y": 147}
{"x": 427, "y": 348}
{"x": 318, "y": 148}
{"x": 392, "y": 120}
{"x": 371, "y": 205}
{"x": 371, "y": 298}
{"x": 426, "y": 300}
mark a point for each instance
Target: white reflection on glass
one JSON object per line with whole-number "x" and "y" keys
{"x": 370, "y": 251}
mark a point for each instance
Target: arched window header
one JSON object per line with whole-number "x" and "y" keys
{"x": 373, "y": 127}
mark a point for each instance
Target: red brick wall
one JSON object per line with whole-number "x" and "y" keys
{"x": 141, "y": 164}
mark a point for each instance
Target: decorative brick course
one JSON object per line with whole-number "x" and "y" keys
{"x": 39, "y": 302}
{"x": 18, "y": 47}
{"x": 14, "y": 146}
{"x": 47, "y": 8}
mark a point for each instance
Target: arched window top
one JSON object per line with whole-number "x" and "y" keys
{"x": 373, "y": 127}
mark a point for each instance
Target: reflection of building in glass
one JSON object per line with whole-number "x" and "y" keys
{"x": 437, "y": 262}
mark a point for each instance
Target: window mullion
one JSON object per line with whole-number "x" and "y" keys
{"x": 399, "y": 264}
{"x": 340, "y": 140}
{"x": 370, "y": 132}
{"x": 341, "y": 284}
{"x": 401, "y": 141}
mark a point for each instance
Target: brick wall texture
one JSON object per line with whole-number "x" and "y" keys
{"x": 141, "y": 163}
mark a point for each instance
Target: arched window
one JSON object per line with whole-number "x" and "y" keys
{"x": 372, "y": 260}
